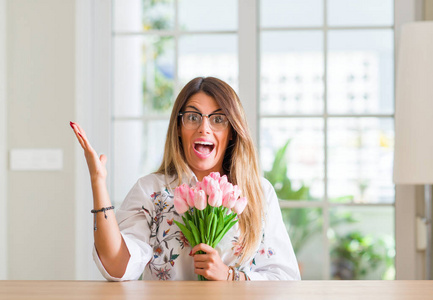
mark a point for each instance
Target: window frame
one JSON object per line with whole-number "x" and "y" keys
{"x": 92, "y": 110}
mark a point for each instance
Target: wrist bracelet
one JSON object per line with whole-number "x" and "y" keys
{"x": 246, "y": 276}
{"x": 230, "y": 272}
{"x": 94, "y": 212}
{"x": 236, "y": 276}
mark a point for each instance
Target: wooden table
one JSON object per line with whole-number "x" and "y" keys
{"x": 171, "y": 290}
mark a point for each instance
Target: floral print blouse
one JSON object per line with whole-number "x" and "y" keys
{"x": 159, "y": 251}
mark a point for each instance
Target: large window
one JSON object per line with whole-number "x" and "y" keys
{"x": 325, "y": 112}
{"x": 326, "y": 131}
{"x": 158, "y": 47}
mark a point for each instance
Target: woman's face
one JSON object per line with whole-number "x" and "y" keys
{"x": 204, "y": 148}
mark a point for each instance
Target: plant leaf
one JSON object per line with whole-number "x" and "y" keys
{"x": 201, "y": 225}
{"x": 223, "y": 232}
{"x": 195, "y": 232}
{"x": 189, "y": 236}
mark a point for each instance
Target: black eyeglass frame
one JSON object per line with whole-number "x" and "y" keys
{"x": 182, "y": 113}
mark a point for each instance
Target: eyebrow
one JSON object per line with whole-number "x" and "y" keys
{"x": 193, "y": 107}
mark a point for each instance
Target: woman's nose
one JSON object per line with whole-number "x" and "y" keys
{"x": 205, "y": 125}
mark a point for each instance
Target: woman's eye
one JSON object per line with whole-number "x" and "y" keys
{"x": 218, "y": 119}
{"x": 193, "y": 117}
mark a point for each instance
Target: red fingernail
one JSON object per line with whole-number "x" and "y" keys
{"x": 79, "y": 133}
{"x": 190, "y": 253}
{"x": 71, "y": 123}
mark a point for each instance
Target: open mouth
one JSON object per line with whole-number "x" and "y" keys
{"x": 204, "y": 147}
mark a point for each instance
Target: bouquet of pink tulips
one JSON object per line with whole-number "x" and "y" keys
{"x": 210, "y": 209}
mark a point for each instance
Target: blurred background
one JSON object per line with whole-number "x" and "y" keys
{"x": 316, "y": 78}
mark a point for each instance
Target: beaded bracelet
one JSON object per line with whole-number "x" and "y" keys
{"x": 94, "y": 212}
{"x": 236, "y": 276}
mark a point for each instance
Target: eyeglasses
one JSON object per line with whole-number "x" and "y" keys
{"x": 192, "y": 120}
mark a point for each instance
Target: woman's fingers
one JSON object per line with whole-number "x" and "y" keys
{"x": 77, "y": 134}
{"x": 200, "y": 265}
{"x": 81, "y": 131}
{"x": 95, "y": 163}
{"x": 209, "y": 264}
{"x": 82, "y": 139}
{"x": 202, "y": 257}
{"x": 81, "y": 136}
{"x": 203, "y": 247}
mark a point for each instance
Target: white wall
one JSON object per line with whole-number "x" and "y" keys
{"x": 40, "y": 104}
{"x": 3, "y": 153}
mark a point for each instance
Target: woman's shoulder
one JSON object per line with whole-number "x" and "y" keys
{"x": 269, "y": 193}
{"x": 266, "y": 186}
{"x": 147, "y": 187}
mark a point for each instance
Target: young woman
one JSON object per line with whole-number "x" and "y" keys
{"x": 207, "y": 133}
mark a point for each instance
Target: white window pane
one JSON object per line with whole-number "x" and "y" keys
{"x": 360, "y": 12}
{"x": 291, "y": 13}
{"x": 363, "y": 248}
{"x": 360, "y": 152}
{"x": 142, "y": 15}
{"x": 291, "y": 72}
{"x": 304, "y": 226}
{"x": 209, "y": 55}
{"x": 361, "y": 71}
{"x": 143, "y": 75}
{"x": 206, "y": 16}
{"x": 303, "y": 160}
{"x": 138, "y": 151}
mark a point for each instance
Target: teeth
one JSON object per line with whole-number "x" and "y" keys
{"x": 204, "y": 143}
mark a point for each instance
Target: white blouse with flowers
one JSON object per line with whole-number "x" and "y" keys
{"x": 159, "y": 250}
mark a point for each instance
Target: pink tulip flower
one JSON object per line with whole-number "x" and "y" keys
{"x": 180, "y": 204}
{"x": 227, "y": 189}
{"x": 237, "y": 191}
{"x": 240, "y": 205}
{"x": 215, "y": 198}
{"x": 183, "y": 190}
{"x": 205, "y": 182}
{"x": 200, "y": 199}
{"x": 230, "y": 200}
{"x": 223, "y": 179}
{"x": 212, "y": 185}
{"x": 177, "y": 192}
{"x": 215, "y": 175}
{"x": 190, "y": 196}
{"x": 232, "y": 197}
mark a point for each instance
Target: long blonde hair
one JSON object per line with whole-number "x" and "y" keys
{"x": 240, "y": 162}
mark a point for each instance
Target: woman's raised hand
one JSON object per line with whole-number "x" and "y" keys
{"x": 96, "y": 164}
{"x": 110, "y": 246}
